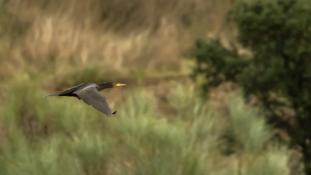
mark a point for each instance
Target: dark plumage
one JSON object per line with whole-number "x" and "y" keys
{"x": 89, "y": 93}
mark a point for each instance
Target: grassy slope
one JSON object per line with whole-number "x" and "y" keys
{"x": 161, "y": 128}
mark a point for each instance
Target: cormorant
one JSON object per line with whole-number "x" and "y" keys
{"x": 89, "y": 93}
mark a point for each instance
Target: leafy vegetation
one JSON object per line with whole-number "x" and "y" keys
{"x": 277, "y": 73}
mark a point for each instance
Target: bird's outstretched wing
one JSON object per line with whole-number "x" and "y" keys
{"x": 91, "y": 96}
{"x": 68, "y": 91}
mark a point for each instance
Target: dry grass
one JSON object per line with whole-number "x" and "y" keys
{"x": 114, "y": 36}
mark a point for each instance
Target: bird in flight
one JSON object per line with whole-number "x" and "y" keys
{"x": 89, "y": 93}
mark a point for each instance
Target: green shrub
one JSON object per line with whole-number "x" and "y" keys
{"x": 277, "y": 32}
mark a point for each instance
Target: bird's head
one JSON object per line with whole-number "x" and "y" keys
{"x": 109, "y": 85}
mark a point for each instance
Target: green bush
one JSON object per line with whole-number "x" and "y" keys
{"x": 278, "y": 33}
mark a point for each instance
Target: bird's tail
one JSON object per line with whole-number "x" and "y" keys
{"x": 53, "y": 94}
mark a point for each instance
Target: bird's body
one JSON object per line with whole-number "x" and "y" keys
{"x": 89, "y": 93}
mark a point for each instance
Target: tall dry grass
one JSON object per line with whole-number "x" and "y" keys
{"x": 111, "y": 35}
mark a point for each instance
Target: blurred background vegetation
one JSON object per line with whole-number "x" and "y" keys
{"x": 214, "y": 87}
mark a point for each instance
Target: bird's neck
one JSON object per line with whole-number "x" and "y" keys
{"x": 105, "y": 85}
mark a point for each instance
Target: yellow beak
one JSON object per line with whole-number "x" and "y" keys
{"x": 119, "y": 85}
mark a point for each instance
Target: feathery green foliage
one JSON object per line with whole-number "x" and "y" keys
{"x": 61, "y": 135}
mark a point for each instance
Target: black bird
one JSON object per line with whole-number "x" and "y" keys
{"x": 89, "y": 93}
